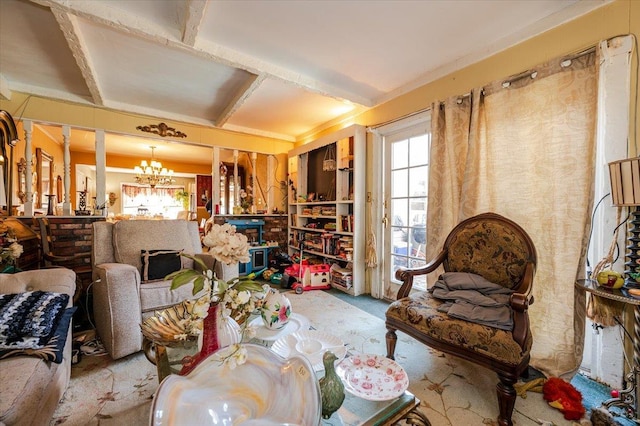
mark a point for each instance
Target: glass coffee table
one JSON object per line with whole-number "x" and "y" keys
{"x": 354, "y": 410}
{"x": 357, "y": 411}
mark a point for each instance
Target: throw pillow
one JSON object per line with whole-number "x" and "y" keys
{"x": 157, "y": 264}
{"x": 27, "y": 320}
{"x": 53, "y": 350}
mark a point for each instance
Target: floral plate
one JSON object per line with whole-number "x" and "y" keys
{"x": 296, "y": 322}
{"x": 373, "y": 377}
{"x": 311, "y": 344}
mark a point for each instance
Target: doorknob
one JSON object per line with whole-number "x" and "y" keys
{"x": 385, "y": 221}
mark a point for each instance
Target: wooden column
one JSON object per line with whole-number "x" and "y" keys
{"x": 272, "y": 183}
{"x": 101, "y": 169}
{"x": 28, "y": 156}
{"x": 66, "y": 205}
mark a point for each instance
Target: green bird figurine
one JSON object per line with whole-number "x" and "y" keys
{"x": 331, "y": 387}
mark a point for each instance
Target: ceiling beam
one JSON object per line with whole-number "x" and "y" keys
{"x": 245, "y": 91}
{"x": 193, "y": 18}
{"x": 69, "y": 26}
{"x": 100, "y": 12}
{"x": 5, "y": 92}
{"x": 257, "y": 132}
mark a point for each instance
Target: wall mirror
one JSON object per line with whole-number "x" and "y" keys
{"x": 59, "y": 188}
{"x": 245, "y": 170}
{"x": 43, "y": 179}
{"x": 22, "y": 180}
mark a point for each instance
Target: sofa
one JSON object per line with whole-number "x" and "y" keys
{"x": 125, "y": 291}
{"x": 30, "y": 386}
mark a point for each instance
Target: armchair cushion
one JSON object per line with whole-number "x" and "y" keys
{"x": 422, "y": 312}
{"x": 129, "y": 238}
{"x": 472, "y": 245}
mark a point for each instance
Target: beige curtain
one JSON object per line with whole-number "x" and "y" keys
{"x": 448, "y": 154}
{"x": 531, "y": 154}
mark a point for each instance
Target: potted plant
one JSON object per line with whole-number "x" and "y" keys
{"x": 182, "y": 196}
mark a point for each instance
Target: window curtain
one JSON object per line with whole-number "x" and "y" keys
{"x": 450, "y": 122}
{"x": 135, "y": 195}
{"x": 530, "y": 157}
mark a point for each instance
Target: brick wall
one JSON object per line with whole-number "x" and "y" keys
{"x": 70, "y": 236}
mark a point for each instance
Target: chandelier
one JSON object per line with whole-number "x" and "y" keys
{"x": 152, "y": 173}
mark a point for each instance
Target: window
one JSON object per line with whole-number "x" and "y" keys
{"x": 142, "y": 200}
{"x": 403, "y": 149}
{"x": 409, "y": 173}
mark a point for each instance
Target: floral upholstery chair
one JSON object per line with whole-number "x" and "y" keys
{"x": 501, "y": 252}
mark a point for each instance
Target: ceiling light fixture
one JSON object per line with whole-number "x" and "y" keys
{"x": 152, "y": 173}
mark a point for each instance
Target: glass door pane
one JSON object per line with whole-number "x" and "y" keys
{"x": 406, "y": 183}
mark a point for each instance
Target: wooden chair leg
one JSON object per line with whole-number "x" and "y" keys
{"x": 391, "y": 342}
{"x": 506, "y": 400}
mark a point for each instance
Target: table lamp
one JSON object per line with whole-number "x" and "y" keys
{"x": 625, "y": 192}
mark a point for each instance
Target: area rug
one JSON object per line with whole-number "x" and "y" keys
{"x": 452, "y": 392}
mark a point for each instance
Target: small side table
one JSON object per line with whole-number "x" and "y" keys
{"x": 629, "y": 397}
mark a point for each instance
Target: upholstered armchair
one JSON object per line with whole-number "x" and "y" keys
{"x": 497, "y": 253}
{"x": 124, "y": 292}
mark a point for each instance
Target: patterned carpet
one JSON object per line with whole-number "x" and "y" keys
{"x": 452, "y": 392}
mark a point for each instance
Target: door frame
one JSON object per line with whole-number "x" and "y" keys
{"x": 377, "y": 191}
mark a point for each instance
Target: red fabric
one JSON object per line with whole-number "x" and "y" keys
{"x": 556, "y": 389}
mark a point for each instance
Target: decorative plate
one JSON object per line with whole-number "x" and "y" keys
{"x": 373, "y": 377}
{"x": 296, "y": 322}
{"x": 265, "y": 390}
{"x": 163, "y": 327}
{"x": 311, "y": 344}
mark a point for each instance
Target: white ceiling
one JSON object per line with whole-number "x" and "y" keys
{"x": 272, "y": 68}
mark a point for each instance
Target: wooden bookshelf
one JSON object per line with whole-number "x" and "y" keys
{"x": 326, "y": 207}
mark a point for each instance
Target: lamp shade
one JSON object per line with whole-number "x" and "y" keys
{"x": 625, "y": 182}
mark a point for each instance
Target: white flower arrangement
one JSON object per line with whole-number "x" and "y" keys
{"x": 237, "y": 298}
{"x": 226, "y": 245}
{"x": 246, "y": 197}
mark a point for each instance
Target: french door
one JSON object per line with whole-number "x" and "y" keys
{"x": 406, "y": 178}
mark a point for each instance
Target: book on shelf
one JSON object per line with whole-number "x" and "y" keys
{"x": 346, "y": 222}
{"x": 341, "y": 277}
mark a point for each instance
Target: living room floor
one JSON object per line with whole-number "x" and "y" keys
{"x": 376, "y": 307}
{"x": 594, "y": 393}
{"x": 87, "y": 392}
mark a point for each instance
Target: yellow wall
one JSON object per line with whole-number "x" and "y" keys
{"x": 48, "y": 145}
{"x": 618, "y": 18}
{"x": 89, "y": 117}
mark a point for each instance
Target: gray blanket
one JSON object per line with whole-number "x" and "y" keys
{"x": 472, "y": 298}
